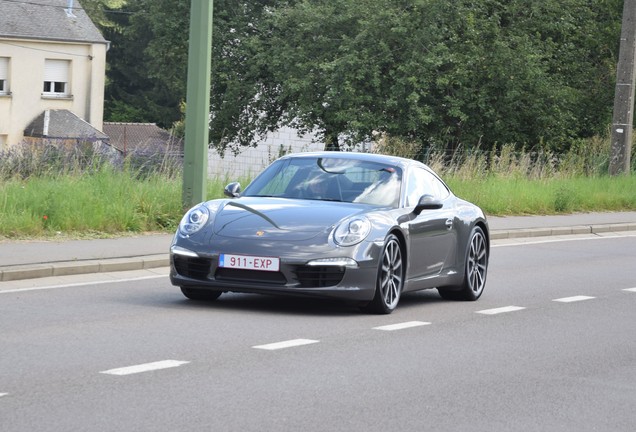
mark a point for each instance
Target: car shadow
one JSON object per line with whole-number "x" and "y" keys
{"x": 170, "y": 297}
{"x": 289, "y": 305}
{"x": 286, "y": 305}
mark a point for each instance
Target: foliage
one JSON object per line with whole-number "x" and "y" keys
{"x": 466, "y": 73}
{"x": 461, "y": 72}
{"x": 49, "y": 189}
{"x": 56, "y": 193}
{"x": 105, "y": 201}
{"x": 51, "y": 159}
{"x": 99, "y": 10}
{"x": 510, "y": 196}
{"x": 147, "y": 62}
{"x": 28, "y": 160}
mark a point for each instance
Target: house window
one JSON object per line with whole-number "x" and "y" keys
{"x": 4, "y": 75}
{"x": 56, "y": 78}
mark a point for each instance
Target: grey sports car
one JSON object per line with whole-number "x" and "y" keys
{"x": 353, "y": 226}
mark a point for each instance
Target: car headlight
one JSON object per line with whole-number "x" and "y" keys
{"x": 194, "y": 220}
{"x": 352, "y": 231}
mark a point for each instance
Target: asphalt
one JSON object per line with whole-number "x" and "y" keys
{"x": 21, "y": 260}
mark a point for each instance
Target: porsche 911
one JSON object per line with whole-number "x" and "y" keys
{"x": 363, "y": 228}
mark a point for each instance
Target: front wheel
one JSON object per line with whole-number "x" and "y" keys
{"x": 475, "y": 269}
{"x": 200, "y": 294}
{"x": 390, "y": 279}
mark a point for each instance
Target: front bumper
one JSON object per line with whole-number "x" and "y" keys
{"x": 295, "y": 277}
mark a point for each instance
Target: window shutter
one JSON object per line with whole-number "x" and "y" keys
{"x": 4, "y": 68}
{"x": 56, "y": 70}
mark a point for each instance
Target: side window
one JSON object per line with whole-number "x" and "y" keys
{"x": 56, "y": 78}
{"x": 421, "y": 182}
{"x": 4, "y": 75}
{"x": 415, "y": 186}
{"x": 438, "y": 189}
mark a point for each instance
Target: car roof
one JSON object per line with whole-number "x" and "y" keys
{"x": 368, "y": 157}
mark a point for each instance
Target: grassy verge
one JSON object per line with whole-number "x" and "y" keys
{"x": 100, "y": 200}
{"x": 511, "y": 196}
{"x": 103, "y": 202}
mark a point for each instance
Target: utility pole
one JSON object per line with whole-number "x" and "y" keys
{"x": 197, "y": 121}
{"x": 623, "y": 121}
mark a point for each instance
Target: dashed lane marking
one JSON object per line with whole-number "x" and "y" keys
{"x": 401, "y": 326}
{"x": 630, "y": 289}
{"x": 3, "y": 394}
{"x": 146, "y": 367}
{"x": 285, "y": 344}
{"x": 500, "y": 310}
{"x": 573, "y": 299}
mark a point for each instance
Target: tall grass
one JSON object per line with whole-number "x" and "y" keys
{"x": 52, "y": 190}
{"x": 104, "y": 201}
{"x": 512, "y": 181}
{"x": 510, "y": 196}
{"x": 78, "y": 192}
{"x": 584, "y": 158}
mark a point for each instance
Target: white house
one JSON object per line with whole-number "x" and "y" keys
{"x": 52, "y": 66}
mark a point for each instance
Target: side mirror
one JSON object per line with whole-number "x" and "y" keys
{"x": 233, "y": 190}
{"x": 427, "y": 202}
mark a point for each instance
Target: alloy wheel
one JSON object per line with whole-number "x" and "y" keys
{"x": 477, "y": 263}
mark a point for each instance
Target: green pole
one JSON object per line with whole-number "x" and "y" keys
{"x": 195, "y": 163}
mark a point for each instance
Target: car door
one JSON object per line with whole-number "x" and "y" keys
{"x": 432, "y": 233}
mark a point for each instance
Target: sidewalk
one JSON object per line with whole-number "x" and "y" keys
{"x": 35, "y": 259}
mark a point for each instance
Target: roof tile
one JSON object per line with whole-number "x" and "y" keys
{"x": 47, "y": 20}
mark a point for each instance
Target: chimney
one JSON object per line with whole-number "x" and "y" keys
{"x": 69, "y": 9}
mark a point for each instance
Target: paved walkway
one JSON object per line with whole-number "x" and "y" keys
{"x": 34, "y": 259}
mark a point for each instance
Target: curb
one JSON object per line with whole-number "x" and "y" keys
{"x": 560, "y": 231}
{"x": 68, "y": 268}
{"x": 78, "y": 267}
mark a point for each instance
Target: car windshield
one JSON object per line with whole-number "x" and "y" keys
{"x": 330, "y": 179}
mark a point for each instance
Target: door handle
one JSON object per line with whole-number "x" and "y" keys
{"x": 449, "y": 223}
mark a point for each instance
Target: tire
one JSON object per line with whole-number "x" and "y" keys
{"x": 200, "y": 294}
{"x": 475, "y": 270}
{"x": 390, "y": 279}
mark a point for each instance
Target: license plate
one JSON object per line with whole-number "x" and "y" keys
{"x": 248, "y": 262}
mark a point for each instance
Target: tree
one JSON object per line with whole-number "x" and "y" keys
{"x": 147, "y": 62}
{"x": 98, "y": 10}
{"x": 443, "y": 73}
{"x": 460, "y": 73}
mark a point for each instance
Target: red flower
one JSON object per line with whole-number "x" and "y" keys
{"x": 45, "y": 217}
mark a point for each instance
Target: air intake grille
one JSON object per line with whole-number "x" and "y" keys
{"x": 319, "y": 276}
{"x": 193, "y": 268}
{"x": 250, "y": 276}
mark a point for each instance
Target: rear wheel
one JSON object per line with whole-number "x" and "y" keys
{"x": 200, "y": 294}
{"x": 390, "y": 279}
{"x": 475, "y": 269}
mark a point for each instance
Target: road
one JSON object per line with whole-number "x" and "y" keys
{"x": 551, "y": 345}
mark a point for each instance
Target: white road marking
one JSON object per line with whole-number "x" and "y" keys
{"x": 573, "y": 299}
{"x": 80, "y": 284}
{"x": 286, "y": 344}
{"x": 630, "y": 289}
{"x": 401, "y": 326}
{"x": 500, "y": 310}
{"x": 3, "y": 394}
{"x": 146, "y": 367}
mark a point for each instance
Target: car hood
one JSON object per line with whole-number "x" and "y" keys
{"x": 276, "y": 218}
